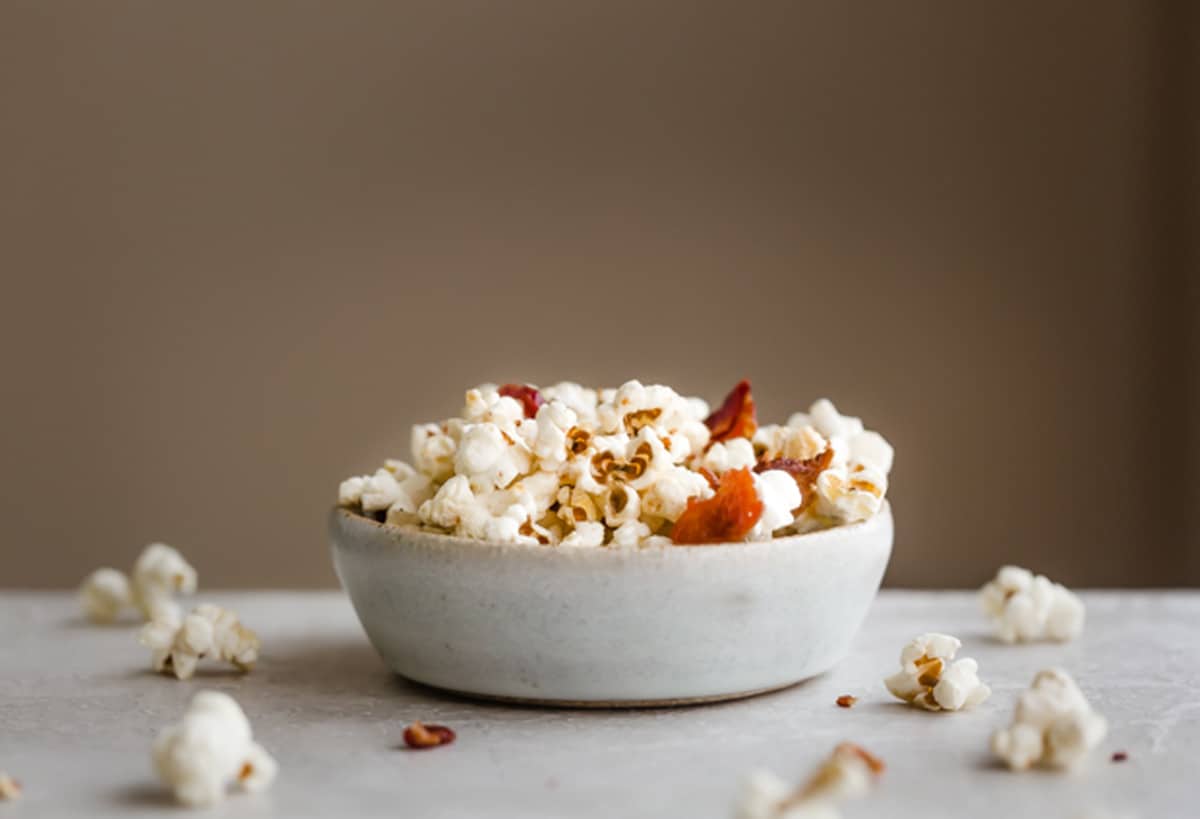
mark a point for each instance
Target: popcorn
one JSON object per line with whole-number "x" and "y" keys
{"x": 1053, "y": 725}
{"x": 178, "y": 645}
{"x": 209, "y": 749}
{"x": 159, "y": 573}
{"x": 736, "y": 453}
{"x": 620, "y": 468}
{"x": 10, "y": 789}
{"x": 433, "y": 451}
{"x": 1026, "y": 607}
{"x": 104, "y": 594}
{"x": 586, "y": 534}
{"x": 848, "y": 773}
{"x": 489, "y": 457}
{"x": 928, "y": 679}
{"x": 850, "y": 496}
{"x": 798, "y": 443}
{"x": 780, "y": 495}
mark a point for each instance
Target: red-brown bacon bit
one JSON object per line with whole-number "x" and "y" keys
{"x": 735, "y": 417}
{"x": 725, "y": 517}
{"x": 529, "y": 397}
{"x": 420, "y": 737}
{"x": 804, "y": 472}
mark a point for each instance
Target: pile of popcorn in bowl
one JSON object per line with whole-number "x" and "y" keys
{"x": 636, "y": 466}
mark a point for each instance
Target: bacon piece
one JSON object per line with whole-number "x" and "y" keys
{"x": 735, "y": 417}
{"x": 713, "y": 481}
{"x": 804, "y": 472}
{"x": 529, "y": 397}
{"x": 725, "y": 517}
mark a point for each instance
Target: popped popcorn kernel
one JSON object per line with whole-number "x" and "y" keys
{"x": 1053, "y": 725}
{"x": 620, "y": 468}
{"x": 104, "y": 594}
{"x": 1025, "y": 607}
{"x": 210, "y": 749}
{"x": 929, "y": 680}
{"x": 847, "y": 774}
{"x": 160, "y": 573}
{"x": 177, "y": 646}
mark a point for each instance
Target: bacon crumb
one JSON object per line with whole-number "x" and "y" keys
{"x": 725, "y": 517}
{"x": 735, "y": 418}
{"x": 419, "y": 736}
{"x": 1119, "y": 756}
{"x": 846, "y": 701}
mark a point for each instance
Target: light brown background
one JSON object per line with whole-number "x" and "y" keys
{"x": 244, "y": 246}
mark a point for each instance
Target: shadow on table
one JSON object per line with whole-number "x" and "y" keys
{"x": 147, "y": 795}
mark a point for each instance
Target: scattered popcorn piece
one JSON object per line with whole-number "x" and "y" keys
{"x": 104, "y": 594}
{"x": 419, "y": 736}
{"x": 928, "y": 679}
{"x": 10, "y": 789}
{"x": 848, "y": 773}
{"x": 1053, "y": 725}
{"x": 1024, "y": 607}
{"x": 209, "y": 630}
{"x": 160, "y": 573}
{"x": 209, "y": 749}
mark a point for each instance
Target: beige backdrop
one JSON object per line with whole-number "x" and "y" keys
{"x": 246, "y": 245}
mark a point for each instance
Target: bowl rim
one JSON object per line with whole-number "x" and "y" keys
{"x": 345, "y": 515}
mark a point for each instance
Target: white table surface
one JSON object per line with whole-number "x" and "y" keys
{"x": 79, "y": 709}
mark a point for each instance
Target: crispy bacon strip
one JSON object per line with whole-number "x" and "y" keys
{"x": 725, "y": 517}
{"x": 805, "y": 473}
{"x": 735, "y": 417}
{"x": 529, "y": 397}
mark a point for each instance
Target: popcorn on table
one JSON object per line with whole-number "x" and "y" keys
{"x": 932, "y": 679}
{"x": 848, "y": 773}
{"x": 1053, "y": 725}
{"x": 209, "y": 631}
{"x": 209, "y": 749}
{"x": 159, "y": 574}
{"x": 1025, "y": 607}
{"x": 620, "y": 468}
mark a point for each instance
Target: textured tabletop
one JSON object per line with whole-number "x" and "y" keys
{"x": 79, "y": 709}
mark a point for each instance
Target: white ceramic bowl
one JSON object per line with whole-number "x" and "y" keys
{"x": 603, "y": 627}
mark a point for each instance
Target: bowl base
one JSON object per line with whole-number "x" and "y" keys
{"x": 668, "y": 702}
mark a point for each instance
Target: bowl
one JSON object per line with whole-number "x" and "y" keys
{"x": 598, "y": 627}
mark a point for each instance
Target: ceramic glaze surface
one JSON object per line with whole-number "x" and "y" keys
{"x": 604, "y": 626}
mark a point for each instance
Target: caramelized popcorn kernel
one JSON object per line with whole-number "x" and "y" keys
{"x": 805, "y": 472}
{"x": 735, "y": 418}
{"x": 531, "y": 400}
{"x": 578, "y": 440}
{"x": 846, "y": 701}
{"x": 725, "y": 517}
{"x": 636, "y": 420}
{"x": 420, "y": 736}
